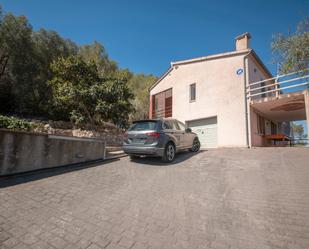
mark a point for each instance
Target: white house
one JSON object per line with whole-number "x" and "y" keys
{"x": 218, "y": 98}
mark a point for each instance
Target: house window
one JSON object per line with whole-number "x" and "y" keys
{"x": 156, "y": 107}
{"x": 260, "y": 124}
{"x": 192, "y": 92}
{"x": 273, "y": 128}
{"x": 163, "y": 104}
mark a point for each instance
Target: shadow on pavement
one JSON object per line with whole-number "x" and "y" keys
{"x": 156, "y": 161}
{"x": 11, "y": 180}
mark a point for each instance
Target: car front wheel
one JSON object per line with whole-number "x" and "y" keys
{"x": 196, "y": 145}
{"x": 169, "y": 153}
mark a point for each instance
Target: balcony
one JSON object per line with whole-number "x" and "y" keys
{"x": 281, "y": 98}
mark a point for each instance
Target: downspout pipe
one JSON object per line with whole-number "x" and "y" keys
{"x": 247, "y": 103}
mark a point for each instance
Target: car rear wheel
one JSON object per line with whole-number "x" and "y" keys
{"x": 196, "y": 145}
{"x": 169, "y": 153}
{"x": 134, "y": 157}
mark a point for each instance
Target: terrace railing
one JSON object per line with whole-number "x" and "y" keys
{"x": 280, "y": 84}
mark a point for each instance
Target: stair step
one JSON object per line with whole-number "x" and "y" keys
{"x": 117, "y": 152}
{"x": 113, "y": 148}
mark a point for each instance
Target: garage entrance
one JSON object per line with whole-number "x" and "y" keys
{"x": 206, "y": 129}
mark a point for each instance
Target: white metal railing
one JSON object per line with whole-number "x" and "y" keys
{"x": 274, "y": 87}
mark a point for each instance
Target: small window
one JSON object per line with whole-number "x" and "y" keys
{"x": 273, "y": 128}
{"x": 261, "y": 124}
{"x": 175, "y": 125}
{"x": 181, "y": 126}
{"x": 166, "y": 125}
{"x": 156, "y": 102}
{"x": 193, "y": 92}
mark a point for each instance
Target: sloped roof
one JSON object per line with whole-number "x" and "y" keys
{"x": 210, "y": 57}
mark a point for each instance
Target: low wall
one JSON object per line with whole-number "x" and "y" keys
{"x": 23, "y": 151}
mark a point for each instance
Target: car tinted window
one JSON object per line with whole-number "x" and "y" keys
{"x": 143, "y": 126}
{"x": 181, "y": 126}
{"x": 167, "y": 125}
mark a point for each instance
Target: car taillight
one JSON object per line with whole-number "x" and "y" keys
{"x": 153, "y": 134}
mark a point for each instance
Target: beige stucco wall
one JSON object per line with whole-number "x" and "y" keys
{"x": 220, "y": 92}
{"x": 256, "y": 138}
{"x": 255, "y": 73}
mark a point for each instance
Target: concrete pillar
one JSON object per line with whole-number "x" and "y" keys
{"x": 307, "y": 110}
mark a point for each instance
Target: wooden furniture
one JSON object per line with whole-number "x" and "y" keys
{"x": 278, "y": 137}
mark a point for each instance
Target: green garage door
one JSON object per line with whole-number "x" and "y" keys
{"x": 206, "y": 129}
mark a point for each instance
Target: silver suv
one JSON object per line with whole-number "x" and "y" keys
{"x": 159, "y": 137}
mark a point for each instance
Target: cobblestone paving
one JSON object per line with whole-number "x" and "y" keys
{"x": 224, "y": 198}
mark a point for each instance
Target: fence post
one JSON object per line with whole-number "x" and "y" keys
{"x": 306, "y": 98}
{"x": 277, "y": 91}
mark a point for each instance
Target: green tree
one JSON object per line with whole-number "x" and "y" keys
{"x": 49, "y": 46}
{"x": 77, "y": 87}
{"x": 298, "y": 130}
{"x": 94, "y": 88}
{"x": 139, "y": 85}
{"x": 96, "y": 53}
{"x": 25, "y": 58}
{"x": 17, "y": 62}
{"x": 292, "y": 50}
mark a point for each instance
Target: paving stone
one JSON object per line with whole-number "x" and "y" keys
{"x": 17, "y": 231}
{"x": 58, "y": 242}
{"x": 21, "y": 246}
{"x": 4, "y": 236}
{"x": 139, "y": 246}
{"x": 101, "y": 241}
{"x": 41, "y": 245}
{"x": 94, "y": 246}
{"x": 114, "y": 246}
{"x": 83, "y": 243}
{"x": 29, "y": 239}
{"x": 71, "y": 238}
{"x": 126, "y": 242}
{"x": 221, "y": 198}
{"x": 9, "y": 243}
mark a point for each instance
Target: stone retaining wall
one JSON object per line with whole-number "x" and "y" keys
{"x": 25, "y": 151}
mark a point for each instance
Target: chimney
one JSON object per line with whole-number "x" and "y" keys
{"x": 243, "y": 41}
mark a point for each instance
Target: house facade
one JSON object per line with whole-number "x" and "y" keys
{"x": 209, "y": 94}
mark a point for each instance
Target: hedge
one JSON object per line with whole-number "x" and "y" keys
{"x": 15, "y": 123}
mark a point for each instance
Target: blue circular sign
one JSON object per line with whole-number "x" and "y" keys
{"x": 239, "y": 71}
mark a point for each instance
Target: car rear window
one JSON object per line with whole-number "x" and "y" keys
{"x": 143, "y": 126}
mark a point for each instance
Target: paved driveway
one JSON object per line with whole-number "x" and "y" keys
{"x": 225, "y": 198}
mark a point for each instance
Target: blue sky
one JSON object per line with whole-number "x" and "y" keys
{"x": 145, "y": 35}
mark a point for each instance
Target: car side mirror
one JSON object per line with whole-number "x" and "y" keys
{"x": 188, "y": 130}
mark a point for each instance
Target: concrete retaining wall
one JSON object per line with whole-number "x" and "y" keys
{"x": 23, "y": 151}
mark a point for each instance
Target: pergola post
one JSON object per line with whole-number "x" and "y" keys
{"x": 307, "y": 110}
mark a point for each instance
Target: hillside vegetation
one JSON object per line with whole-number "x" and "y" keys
{"x": 43, "y": 75}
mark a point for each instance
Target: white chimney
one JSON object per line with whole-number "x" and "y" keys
{"x": 243, "y": 41}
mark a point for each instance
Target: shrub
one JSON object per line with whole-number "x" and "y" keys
{"x": 15, "y": 123}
